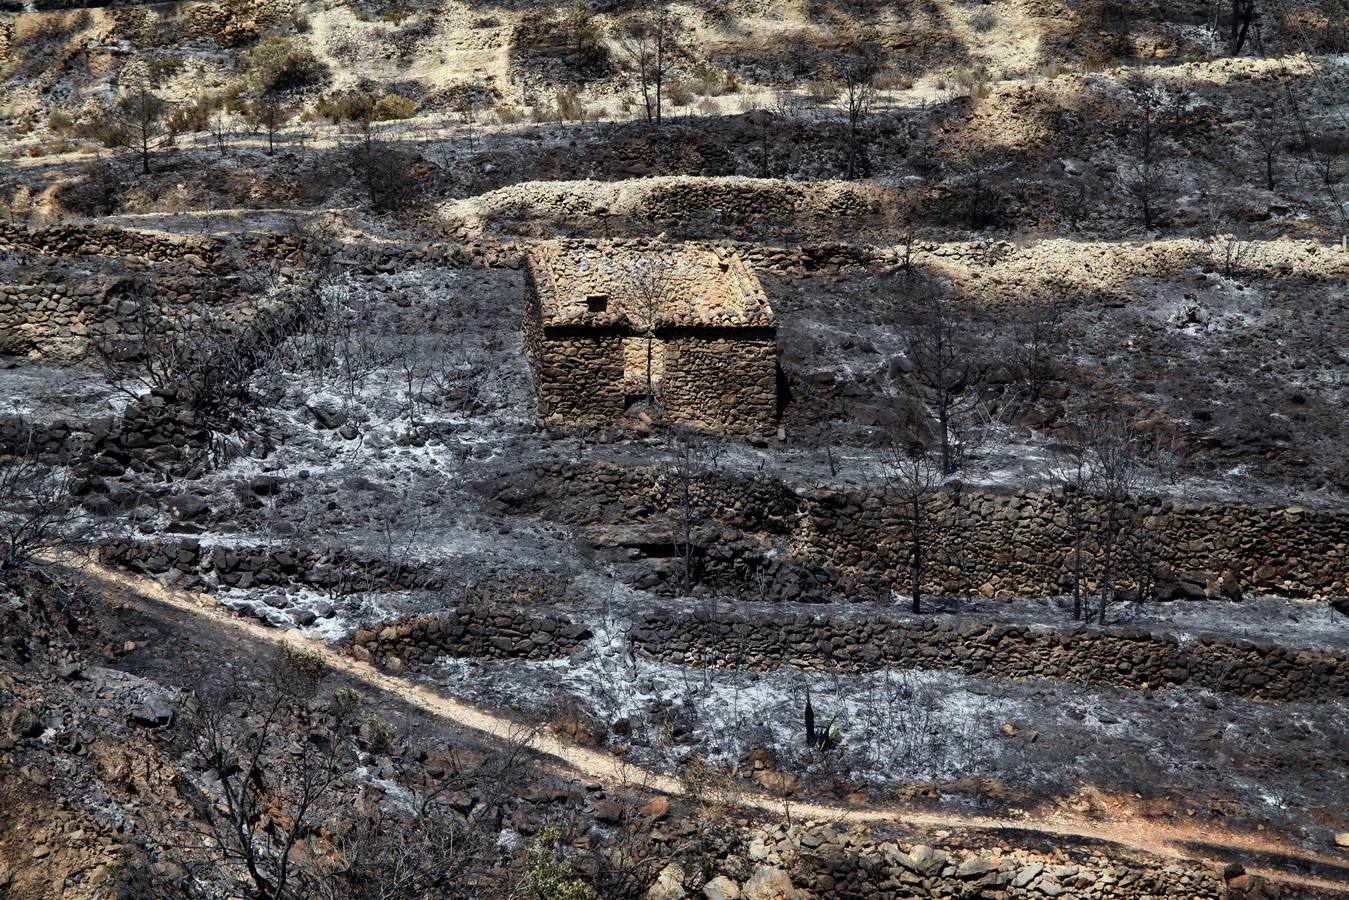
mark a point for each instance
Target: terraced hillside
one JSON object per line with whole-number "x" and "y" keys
{"x": 1034, "y": 584}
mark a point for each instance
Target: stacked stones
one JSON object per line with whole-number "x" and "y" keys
{"x": 104, "y": 240}
{"x": 159, "y": 432}
{"x": 1119, "y": 657}
{"x": 691, "y": 204}
{"x": 59, "y": 441}
{"x": 483, "y": 631}
{"x": 827, "y": 861}
{"x": 72, "y": 286}
{"x": 246, "y": 567}
{"x": 1020, "y": 544}
{"x": 763, "y": 504}
{"x": 62, "y": 314}
{"x": 998, "y": 544}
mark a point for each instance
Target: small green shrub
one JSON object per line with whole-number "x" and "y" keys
{"x": 381, "y": 736}
{"x": 678, "y": 93}
{"x": 551, "y": 878}
{"x": 395, "y": 14}
{"x": 307, "y": 664}
{"x": 507, "y": 113}
{"x": 52, "y": 148}
{"x": 194, "y": 115}
{"x": 985, "y": 20}
{"x": 278, "y": 65}
{"x": 60, "y": 123}
{"x": 392, "y": 106}
{"x": 354, "y": 106}
{"x": 359, "y": 106}
{"x": 107, "y": 129}
{"x": 713, "y": 81}
{"x": 163, "y": 67}
{"x": 346, "y": 700}
{"x": 569, "y": 104}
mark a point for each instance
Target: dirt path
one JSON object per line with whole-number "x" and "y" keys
{"x": 1135, "y": 834}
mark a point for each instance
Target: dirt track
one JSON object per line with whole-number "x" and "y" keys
{"x": 1126, "y": 832}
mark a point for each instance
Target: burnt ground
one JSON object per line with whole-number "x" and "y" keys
{"x": 402, "y": 461}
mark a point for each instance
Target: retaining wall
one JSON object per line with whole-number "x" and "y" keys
{"x": 997, "y": 544}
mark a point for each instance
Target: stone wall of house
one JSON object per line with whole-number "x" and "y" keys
{"x": 721, "y": 381}
{"x": 578, "y": 375}
{"x": 719, "y": 376}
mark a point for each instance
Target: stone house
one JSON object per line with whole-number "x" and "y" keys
{"x": 609, "y": 324}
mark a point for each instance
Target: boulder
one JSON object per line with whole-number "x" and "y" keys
{"x": 721, "y": 888}
{"x": 769, "y": 883}
{"x": 669, "y": 884}
{"x": 186, "y": 507}
{"x": 155, "y": 711}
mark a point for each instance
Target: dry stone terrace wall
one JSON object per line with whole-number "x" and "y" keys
{"x": 102, "y": 240}
{"x": 474, "y": 630}
{"x": 1134, "y": 659}
{"x": 71, "y": 287}
{"x": 1019, "y": 544}
{"x": 245, "y": 567}
{"x": 1126, "y": 658}
{"x": 158, "y": 432}
{"x": 831, "y": 862}
{"x": 218, "y": 253}
{"x": 998, "y": 544}
{"x": 793, "y": 259}
{"x": 690, "y": 204}
{"x": 61, "y": 312}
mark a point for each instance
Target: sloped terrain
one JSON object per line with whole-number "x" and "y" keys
{"x": 298, "y": 597}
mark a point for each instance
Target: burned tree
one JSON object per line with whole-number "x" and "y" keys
{"x": 1035, "y": 351}
{"x": 853, "y": 71}
{"x": 1073, "y": 470}
{"x": 268, "y": 796}
{"x": 912, "y": 480}
{"x": 37, "y": 511}
{"x": 938, "y": 346}
{"x": 690, "y": 457}
{"x": 1269, "y": 131}
{"x": 382, "y": 171}
{"x": 649, "y": 289}
{"x": 652, "y": 43}
{"x": 269, "y": 115}
{"x": 1243, "y": 15}
{"x": 1115, "y": 474}
{"x": 1153, "y": 111}
{"x": 141, "y": 115}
